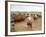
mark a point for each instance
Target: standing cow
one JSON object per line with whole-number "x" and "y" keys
{"x": 29, "y": 22}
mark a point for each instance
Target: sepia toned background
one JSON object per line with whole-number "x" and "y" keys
{"x": 20, "y": 21}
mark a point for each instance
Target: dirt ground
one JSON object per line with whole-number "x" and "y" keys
{"x": 22, "y": 26}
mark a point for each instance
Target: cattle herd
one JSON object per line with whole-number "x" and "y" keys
{"x": 19, "y": 17}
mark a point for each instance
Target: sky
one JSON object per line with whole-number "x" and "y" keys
{"x": 22, "y": 7}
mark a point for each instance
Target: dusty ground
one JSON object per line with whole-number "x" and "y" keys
{"x": 22, "y": 26}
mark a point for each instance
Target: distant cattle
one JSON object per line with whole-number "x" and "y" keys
{"x": 39, "y": 15}
{"x": 35, "y": 17}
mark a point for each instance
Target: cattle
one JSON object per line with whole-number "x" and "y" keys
{"x": 29, "y": 22}
{"x": 39, "y": 16}
{"x": 19, "y": 18}
{"x": 35, "y": 17}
